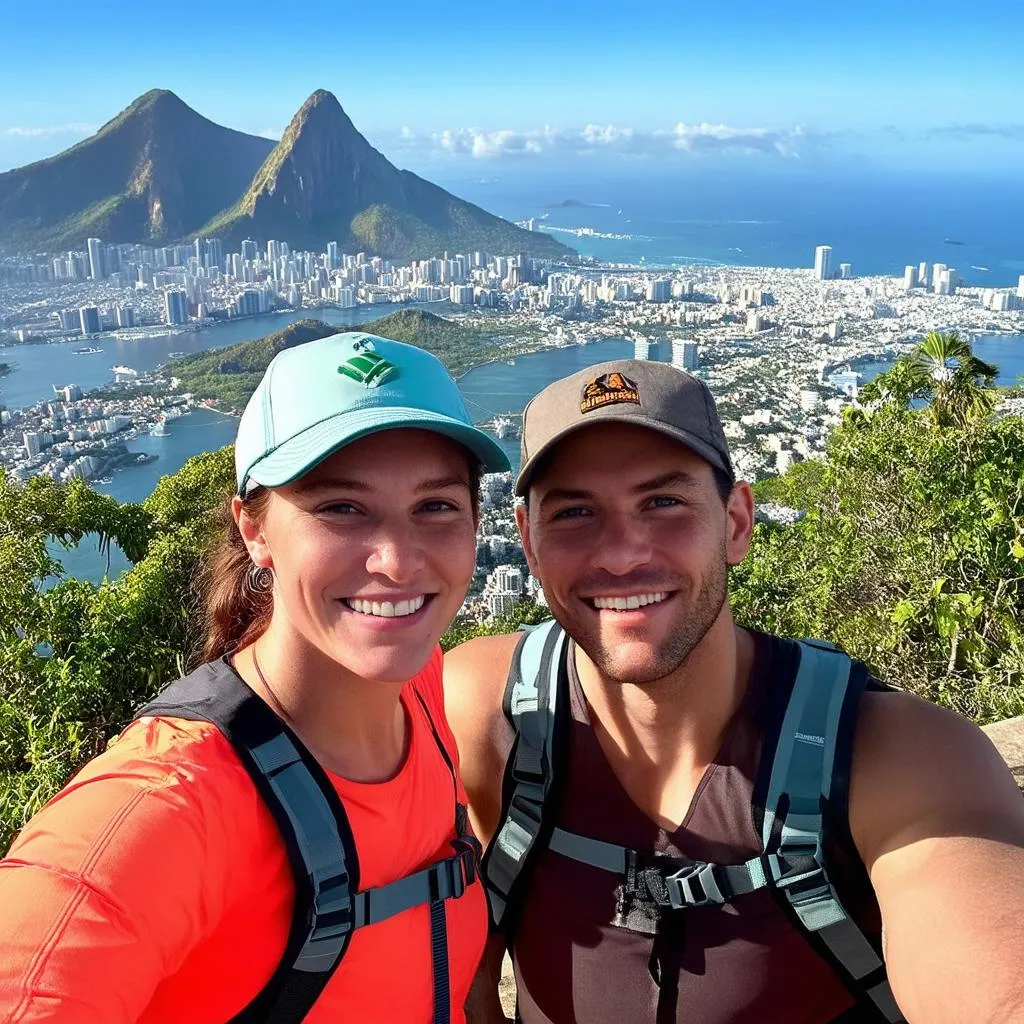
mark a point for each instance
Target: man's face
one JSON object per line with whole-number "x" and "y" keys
{"x": 631, "y": 540}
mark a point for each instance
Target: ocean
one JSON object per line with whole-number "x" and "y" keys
{"x": 757, "y": 215}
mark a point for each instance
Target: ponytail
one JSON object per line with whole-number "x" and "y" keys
{"x": 237, "y": 608}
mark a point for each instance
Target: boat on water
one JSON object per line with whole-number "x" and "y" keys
{"x": 505, "y": 427}
{"x": 160, "y": 427}
{"x": 125, "y": 371}
{"x": 89, "y": 350}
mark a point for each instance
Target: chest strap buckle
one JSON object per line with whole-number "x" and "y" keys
{"x": 694, "y": 886}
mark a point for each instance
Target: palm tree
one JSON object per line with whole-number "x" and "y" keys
{"x": 958, "y": 383}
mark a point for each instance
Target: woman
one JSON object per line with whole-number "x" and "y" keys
{"x": 281, "y": 835}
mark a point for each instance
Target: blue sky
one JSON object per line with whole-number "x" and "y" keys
{"x": 896, "y": 83}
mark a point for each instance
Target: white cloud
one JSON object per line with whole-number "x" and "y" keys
{"x": 604, "y": 138}
{"x": 19, "y": 132}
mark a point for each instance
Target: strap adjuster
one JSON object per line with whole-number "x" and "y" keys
{"x": 455, "y": 874}
{"x": 694, "y": 886}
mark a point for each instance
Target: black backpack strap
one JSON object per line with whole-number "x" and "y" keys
{"x": 313, "y": 825}
{"x": 531, "y": 697}
{"x": 321, "y": 850}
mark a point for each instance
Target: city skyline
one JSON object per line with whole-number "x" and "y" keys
{"x": 549, "y": 86}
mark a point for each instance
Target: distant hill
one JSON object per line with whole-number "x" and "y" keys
{"x": 230, "y": 375}
{"x": 155, "y": 173}
{"x": 324, "y": 181}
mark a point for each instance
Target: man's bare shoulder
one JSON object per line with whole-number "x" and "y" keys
{"x": 483, "y": 661}
{"x": 919, "y": 768}
{"x": 474, "y": 685}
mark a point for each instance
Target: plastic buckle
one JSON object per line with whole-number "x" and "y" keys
{"x": 694, "y": 886}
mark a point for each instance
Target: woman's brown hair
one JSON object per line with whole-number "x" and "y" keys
{"x": 237, "y": 600}
{"x": 236, "y": 606}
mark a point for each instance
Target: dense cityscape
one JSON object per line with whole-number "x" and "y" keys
{"x": 780, "y": 348}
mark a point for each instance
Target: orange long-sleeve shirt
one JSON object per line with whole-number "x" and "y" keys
{"x": 155, "y": 888}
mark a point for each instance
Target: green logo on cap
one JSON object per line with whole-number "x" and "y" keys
{"x": 368, "y": 369}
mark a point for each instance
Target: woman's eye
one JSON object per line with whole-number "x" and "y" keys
{"x": 340, "y": 508}
{"x": 439, "y": 505}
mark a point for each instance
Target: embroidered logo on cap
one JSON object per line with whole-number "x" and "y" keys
{"x": 369, "y": 369}
{"x": 609, "y": 389}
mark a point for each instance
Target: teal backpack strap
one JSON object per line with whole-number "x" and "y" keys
{"x": 531, "y": 695}
{"x": 793, "y": 828}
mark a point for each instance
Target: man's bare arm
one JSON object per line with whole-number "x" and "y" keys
{"x": 474, "y": 684}
{"x": 484, "y": 1003}
{"x": 940, "y": 825}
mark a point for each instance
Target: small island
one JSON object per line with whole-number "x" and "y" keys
{"x": 5, "y": 368}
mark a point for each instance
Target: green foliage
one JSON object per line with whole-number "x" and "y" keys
{"x": 77, "y": 659}
{"x": 525, "y": 613}
{"x": 911, "y": 554}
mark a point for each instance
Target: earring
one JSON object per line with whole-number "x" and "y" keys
{"x": 261, "y": 579}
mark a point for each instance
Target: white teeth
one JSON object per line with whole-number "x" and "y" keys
{"x": 386, "y": 609}
{"x": 621, "y": 604}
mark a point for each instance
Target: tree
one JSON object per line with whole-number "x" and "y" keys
{"x": 944, "y": 372}
{"x": 77, "y": 659}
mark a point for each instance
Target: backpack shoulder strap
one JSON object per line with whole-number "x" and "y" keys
{"x": 531, "y": 697}
{"x": 793, "y": 827}
{"x": 312, "y": 822}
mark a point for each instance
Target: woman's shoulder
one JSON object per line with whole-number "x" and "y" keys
{"x": 162, "y": 783}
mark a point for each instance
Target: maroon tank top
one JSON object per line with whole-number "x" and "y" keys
{"x": 583, "y": 957}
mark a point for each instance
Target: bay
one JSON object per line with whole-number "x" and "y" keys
{"x": 35, "y": 369}
{"x": 490, "y": 390}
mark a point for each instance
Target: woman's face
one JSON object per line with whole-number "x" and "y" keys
{"x": 372, "y": 551}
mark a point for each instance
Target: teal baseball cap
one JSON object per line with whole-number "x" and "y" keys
{"x": 319, "y": 396}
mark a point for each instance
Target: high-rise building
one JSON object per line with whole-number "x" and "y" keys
{"x": 1020, "y": 287}
{"x": 922, "y": 274}
{"x": 937, "y": 270}
{"x": 685, "y": 354}
{"x": 659, "y": 290}
{"x": 909, "y": 277}
{"x": 273, "y": 251}
{"x": 125, "y": 316}
{"x": 89, "y": 319}
{"x": 248, "y": 249}
{"x": 822, "y": 259}
{"x": 845, "y": 271}
{"x": 332, "y": 255}
{"x": 175, "y": 306}
{"x": 460, "y": 294}
{"x": 33, "y": 443}
{"x": 96, "y": 269}
{"x": 641, "y": 349}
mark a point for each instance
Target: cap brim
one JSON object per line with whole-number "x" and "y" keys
{"x": 696, "y": 444}
{"x": 298, "y": 455}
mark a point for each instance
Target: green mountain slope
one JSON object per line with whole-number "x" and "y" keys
{"x": 228, "y": 376}
{"x": 324, "y": 181}
{"x": 156, "y": 172}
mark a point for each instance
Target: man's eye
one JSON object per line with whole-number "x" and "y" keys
{"x": 576, "y": 512}
{"x": 341, "y": 508}
{"x": 665, "y": 501}
{"x": 439, "y": 505}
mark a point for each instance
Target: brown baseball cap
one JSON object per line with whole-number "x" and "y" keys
{"x": 638, "y": 391}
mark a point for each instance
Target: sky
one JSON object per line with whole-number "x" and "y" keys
{"x": 930, "y": 85}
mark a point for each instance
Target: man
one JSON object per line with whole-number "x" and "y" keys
{"x": 683, "y": 865}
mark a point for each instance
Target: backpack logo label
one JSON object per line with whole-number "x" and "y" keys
{"x": 609, "y": 389}
{"x": 814, "y": 741}
{"x": 369, "y": 369}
